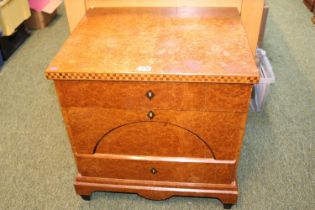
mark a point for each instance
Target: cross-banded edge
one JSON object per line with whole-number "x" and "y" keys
{"x": 151, "y": 77}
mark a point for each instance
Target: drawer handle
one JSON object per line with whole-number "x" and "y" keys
{"x": 150, "y": 95}
{"x": 151, "y": 115}
{"x": 153, "y": 171}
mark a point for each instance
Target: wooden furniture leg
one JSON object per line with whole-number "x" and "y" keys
{"x": 309, "y": 4}
{"x": 86, "y": 197}
{"x": 227, "y": 206}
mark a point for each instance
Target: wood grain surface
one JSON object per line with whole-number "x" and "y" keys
{"x": 252, "y": 19}
{"x": 166, "y": 169}
{"x": 174, "y": 96}
{"x": 157, "y": 190}
{"x": 153, "y": 139}
{"x": 76, "y": 9}
{"x": 161, "y": 44}
{"x": 156, "y": 101}
{"x": 222, "y": 132}
{"x": 163, "y": 3}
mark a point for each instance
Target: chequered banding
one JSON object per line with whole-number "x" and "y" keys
{"x": 151, "y": 77}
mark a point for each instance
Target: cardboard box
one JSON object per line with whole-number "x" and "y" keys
{"x": 41, "y": 19}
{"x": 38, "y": 5}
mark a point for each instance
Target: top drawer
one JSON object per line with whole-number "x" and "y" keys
{"x": 154, "y": 95}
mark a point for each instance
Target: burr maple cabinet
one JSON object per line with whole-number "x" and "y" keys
{"x": 155, "y": 100}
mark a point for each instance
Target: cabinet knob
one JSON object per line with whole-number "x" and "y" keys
{"x": 153, "y": 171}
{"x": 151, "y": 115}
{"x": 150, "y": 95}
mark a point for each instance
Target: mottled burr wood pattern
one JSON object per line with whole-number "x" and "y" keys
{"x": 174, "y": 96}
{"x": 151, "y": 137}
{"x": 170, "y": 44}
{"x": 218, "y": 129}
{"x": 170, "y": 170}
{"x": 146, "y": 138}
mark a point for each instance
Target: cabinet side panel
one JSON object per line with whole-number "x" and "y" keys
{"x": 252, "y": 12}
{"x": 263, "y": 25}
{"x": 240, "y": 143}
{"x": 75, "y": 10}
{"x": 60, "y": 94}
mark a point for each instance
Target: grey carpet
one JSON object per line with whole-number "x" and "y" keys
{"x": 277, "y": 163}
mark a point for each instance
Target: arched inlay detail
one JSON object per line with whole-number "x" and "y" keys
{"x": 158, "y": 124}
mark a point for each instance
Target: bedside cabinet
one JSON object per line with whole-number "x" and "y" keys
{"x": 155, "y": 101}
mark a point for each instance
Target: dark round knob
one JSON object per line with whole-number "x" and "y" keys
{"x": 153, "y": 171}
{"x": 151, "y": 115}
{"x": 150, "y": 94}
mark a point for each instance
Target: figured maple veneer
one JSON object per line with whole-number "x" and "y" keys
{"x": 222, "y": 132}
{"x": 152, "y": 168}
{"x": 146, "y": 139}
{"x": 155, "y": 100}
{"x": 155, "y": 44}
{"x": 174, "y": 96}
{"x": 157, "y": 190}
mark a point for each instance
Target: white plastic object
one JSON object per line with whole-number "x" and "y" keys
{"x": 267, "y": 77}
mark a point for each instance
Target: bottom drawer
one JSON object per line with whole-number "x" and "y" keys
{"x": 169, "y": 169}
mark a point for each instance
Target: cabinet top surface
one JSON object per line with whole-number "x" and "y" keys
{"x": 146, "y": 44}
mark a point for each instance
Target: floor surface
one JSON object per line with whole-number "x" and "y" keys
{"x": 277, "y": 165}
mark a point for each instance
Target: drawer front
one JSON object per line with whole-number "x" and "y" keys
{"x": 155, "y": 95}
{"x": 153, "y": 139}
{"x": 128, "y": 132}
{"x": 188, "y": 170}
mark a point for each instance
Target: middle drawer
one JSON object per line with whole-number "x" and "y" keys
{"x": 219, "y": 130}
